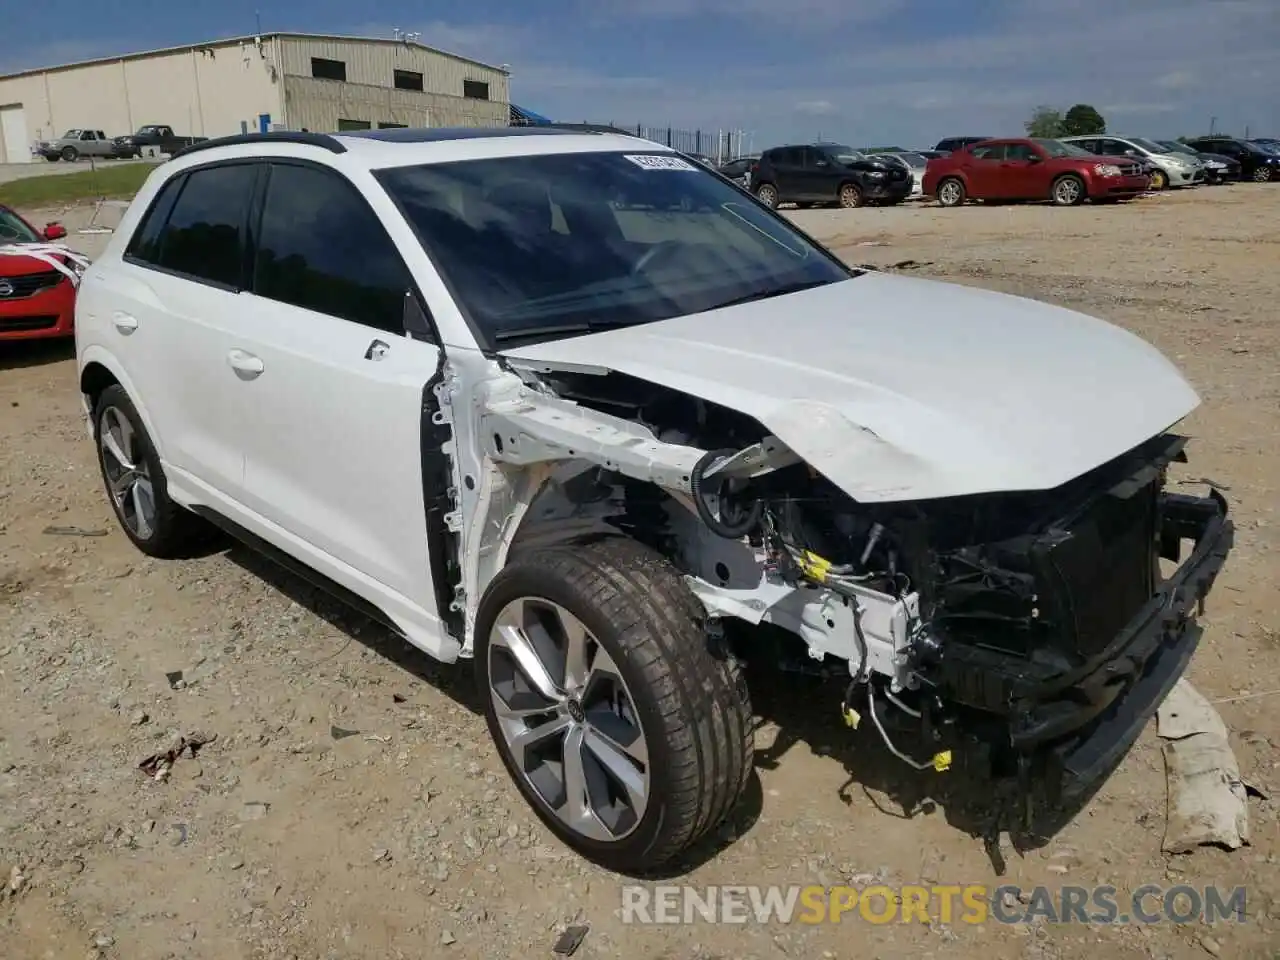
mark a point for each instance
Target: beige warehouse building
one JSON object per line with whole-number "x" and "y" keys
{"x": 274, "y": 81}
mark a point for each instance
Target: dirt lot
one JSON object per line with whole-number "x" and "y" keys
{"x": 405, "y": 840}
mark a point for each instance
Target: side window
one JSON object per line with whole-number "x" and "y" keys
{"x": 1226, "y": 147}
{"x": 322, "y": 248}
{"x": 88, "y": 135}
{"x": 1113, "y": 148}
{"x": 1090, "y": 146}
{"x": 814, "y": 158}
{"x": 1019, "y": 151}
{"x": 993, "y": 151}
{"x": 144, "y": 245}
{"x": 204, "y": 236}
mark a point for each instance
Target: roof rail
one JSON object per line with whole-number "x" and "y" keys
{"x": 322, "y": 140}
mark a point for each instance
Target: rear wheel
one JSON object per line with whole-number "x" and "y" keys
{"x": 767, "y": 194}
{"x": 850, "y": 195}
{"x": 951, "y": 192}
{"x": 622, "y": 726}
{"x": 1068, "y": 191}
{"x": 135, "y": 481}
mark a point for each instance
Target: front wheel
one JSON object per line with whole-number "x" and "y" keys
{"x": 70, "y": 154}
{"x": 1262, "y": 175}
{"x": 1068, "y": 191}
{"x": 850, "y": 195}
{"x": 1159, "y": 180}
{"x": 767, "y": 194}
{"x": 620, "y": 722}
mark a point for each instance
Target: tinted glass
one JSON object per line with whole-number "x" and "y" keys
{"x": 599, "y": 238}
{"x": 322, "y": 248}
{"x": 204, "y": 236}
{"x": 1019, "y": 151}
{"x": 145, "y": 243}
{"x": 1056, "y": 148}
{"x": 993, "y": 152}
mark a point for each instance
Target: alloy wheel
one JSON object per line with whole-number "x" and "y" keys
{"x": 1067, "y": 190}
{"x": 949, "y": 194}
{"x": 1262, "y": 175}
{"x": 850, "y": 195}
{"x": 568, "y": 720}
{"x": 128, "y": 479}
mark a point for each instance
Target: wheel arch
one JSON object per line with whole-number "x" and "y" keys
{"x": 99, "y": 370}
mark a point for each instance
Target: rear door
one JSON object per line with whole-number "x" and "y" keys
{"x": 178, "y": 309}
{"x": 982, "y": 169}
{"x": 333, "y": 440}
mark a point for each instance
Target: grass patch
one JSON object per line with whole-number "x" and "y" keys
{"x": 114, "y": 181}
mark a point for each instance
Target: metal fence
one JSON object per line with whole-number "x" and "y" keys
{"x": 720, "y": 145}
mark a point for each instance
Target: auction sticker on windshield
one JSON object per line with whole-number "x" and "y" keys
{"x": 658, "y": 162}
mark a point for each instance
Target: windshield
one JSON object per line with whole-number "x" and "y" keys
{"x": 1266, "y": 146}
{"x": 13, "y": 229}
{"x": 1142, "y": 143}
{"x": 842, "y": 153}
{"x": 71, "y": 135}
{"x": 1056, "y": 148}
{"x": 913, "y": 159}
{"x": 598, "y": 239}
{"x": 1173, "y": 146}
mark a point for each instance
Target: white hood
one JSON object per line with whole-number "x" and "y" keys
{"x": 897, "y": 388}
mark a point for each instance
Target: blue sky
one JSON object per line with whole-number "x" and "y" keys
{"x": 888, "y": 71}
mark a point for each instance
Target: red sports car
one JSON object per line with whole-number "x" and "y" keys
{"x": 36, "y": 298}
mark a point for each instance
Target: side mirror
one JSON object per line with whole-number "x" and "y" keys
{"x": 821, "y": 163}
{"x": 1131, "y": 153}
{"x": 1035, "y": 158}
{"x": 54, "y": 231}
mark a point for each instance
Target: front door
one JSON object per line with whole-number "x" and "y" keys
{"x": 1024, "y": 175}
{"x": 333, "y": 441}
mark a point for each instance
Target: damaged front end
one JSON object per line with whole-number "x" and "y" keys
{"x": 1034, "y": 631}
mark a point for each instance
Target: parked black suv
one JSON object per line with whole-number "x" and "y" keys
{"x": 1255, "y": 163}
{"x": 827, "y": 173}
{"x": 949, "y": 144}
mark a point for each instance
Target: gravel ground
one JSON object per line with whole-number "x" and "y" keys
{"x": 350, "y": 805}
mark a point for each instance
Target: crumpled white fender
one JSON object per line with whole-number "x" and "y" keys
{"x": 50, "y": 253}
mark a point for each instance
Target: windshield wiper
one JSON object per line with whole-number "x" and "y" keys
{"x": 559, "y": 329}
{"x": 777, "y": 292}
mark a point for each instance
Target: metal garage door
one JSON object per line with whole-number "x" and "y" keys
{"x": 13, "y": 134}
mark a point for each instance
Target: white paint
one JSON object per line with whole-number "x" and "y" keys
{"x": 898, "y": 388}
{"x": 13, "y": 134}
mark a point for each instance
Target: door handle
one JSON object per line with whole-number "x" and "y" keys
{"x": 377, "y": 350}
{"x": 125, "y": 323}
{"x": 246, "y": 365}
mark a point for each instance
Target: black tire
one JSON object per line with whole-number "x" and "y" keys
{"x": 1262, "y": 175}
{"x": 175, "y": 530}
{"x": 70, "y": 154}
{"x": 951, "y": 192}
{"x": 850, "y": 195}
{"x": 1068, "y": 191}
{"x": 52, "y": 157}
{"x": 691, "y": 699}
{"x": 767, "y": 194}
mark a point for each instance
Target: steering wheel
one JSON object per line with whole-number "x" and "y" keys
{"x": 663, "y": 248}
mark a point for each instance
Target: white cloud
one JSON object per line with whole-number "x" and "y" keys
{"x": 816, "y": 107}
{"x": 1177, "y": 80}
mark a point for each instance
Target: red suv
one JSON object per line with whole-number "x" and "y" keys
{"x": 36, "y": 298}
{"x": 1031, "y": 169}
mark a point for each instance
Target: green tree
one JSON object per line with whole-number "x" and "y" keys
{"x": 1045, "y": 122}
{"x": 1083, "y": 120}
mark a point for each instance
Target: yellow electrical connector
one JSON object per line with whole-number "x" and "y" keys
{"x": 851, "y": 716}
{"x": 942, "y": 761}
{"x": 813, "y": 566}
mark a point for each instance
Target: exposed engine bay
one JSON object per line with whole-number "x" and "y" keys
{"x": 1020, "y": 623}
